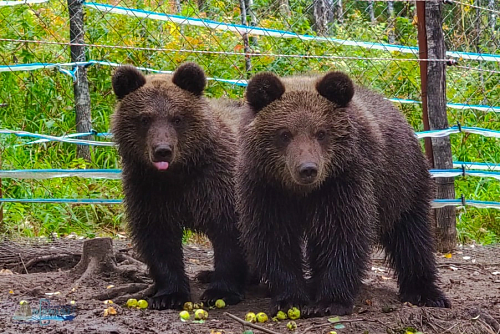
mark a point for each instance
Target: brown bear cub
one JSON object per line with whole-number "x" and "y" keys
{"x": 179, "y": 162}
{"x": 331, "y": 165}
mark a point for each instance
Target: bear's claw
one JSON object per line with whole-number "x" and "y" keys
{"x": 320, "y": 309}
{"x": 163, "y": 300}
{"x": 284, "y": 304}
{"x": 430, "y": 299}
{"x": 211, "y": 295}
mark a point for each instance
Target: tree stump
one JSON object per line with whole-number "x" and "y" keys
{"x": 98, "y": 260}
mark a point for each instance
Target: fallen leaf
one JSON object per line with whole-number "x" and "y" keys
{"x": 199, "y": 321}
{"x": 11, "y": 291}
{"x": 110, "y": 286}
{"x": 339, "y": 326}
{"x": 334, "y": 319}
{"x": 448, "y": 255}
{"x": 109, "y": 311}
{"x": 6, "y": 272}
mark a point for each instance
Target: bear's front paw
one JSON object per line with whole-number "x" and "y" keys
{"x": 431, "y": 298}
{"x": 284, "y": 303}
{"x": 211, "y": 295}
{"x": 319, "y": 309}
{"x": 168, "y": 300}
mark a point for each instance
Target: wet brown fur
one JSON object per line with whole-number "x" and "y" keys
{"x": 372, "y": 183}
{"x": 195, "y": 192}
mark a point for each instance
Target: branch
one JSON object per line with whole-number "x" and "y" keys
{"x": 249, "y": 324}
{"x": 341, "y": 321}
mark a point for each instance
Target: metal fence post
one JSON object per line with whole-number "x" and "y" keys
{"x": 80, "y": 84}
{"x": 433, "y": 74}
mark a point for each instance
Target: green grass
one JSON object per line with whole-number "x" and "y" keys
{"x": 42, "y": 101}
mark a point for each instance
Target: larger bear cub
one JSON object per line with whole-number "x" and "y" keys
{"x": 334, "y": 166}
{"x": 178, "y": 158}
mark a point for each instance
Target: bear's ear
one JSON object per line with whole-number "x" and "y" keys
{"x": 263, "y": 89}
{"x": 336, "y": 87}
{"x": 190, "y": 77}
{"x": 126, "y": 80}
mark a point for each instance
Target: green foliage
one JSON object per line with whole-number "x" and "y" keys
{"x": 42, "y": 101}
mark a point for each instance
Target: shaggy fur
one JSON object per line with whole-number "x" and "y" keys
{"x": 332, "y": 165}
{"x": 178, "y": 158}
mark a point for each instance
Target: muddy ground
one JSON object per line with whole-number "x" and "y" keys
{"x": 471, "y": 278}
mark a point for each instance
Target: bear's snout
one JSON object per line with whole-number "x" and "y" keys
{"x": 308, "y": 172}
{"x": 162, "y": 156}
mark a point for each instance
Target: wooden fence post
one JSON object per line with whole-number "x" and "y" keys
{"x": 246, "y": 43}
{"x": 433, "y": 74}
{"x": 81, "y": 84}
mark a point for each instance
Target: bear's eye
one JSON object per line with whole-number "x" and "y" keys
{"x": 176, "y": 120}
{"x": 286, "y": 136}
{"x": 145, "y": 119}
{"x": 320, "y": 135}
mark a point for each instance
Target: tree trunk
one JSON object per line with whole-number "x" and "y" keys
{"x": 493, "y": 15}
{"x": 392, "y": 24}
{"x": 320, "y": 16}
{"x": 371, "y": 10}
{"x": 178, "y": 7}
{"x": 81, "y": 84}
{"x": 253, "y": 19}
{"x": 445, "y": 221}
{"x": 339, "y": 10}
{"x": 246, "y": 44}
{"x": 284, "y": 7}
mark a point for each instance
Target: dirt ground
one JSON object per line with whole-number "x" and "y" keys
{"x": 471, "y": 278}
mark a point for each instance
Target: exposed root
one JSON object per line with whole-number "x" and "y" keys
{"x": 125, "y": 259}
{"x": 48, "y": 258}
{"x": 122, "y": 290}
{"x": 143, "y": 294}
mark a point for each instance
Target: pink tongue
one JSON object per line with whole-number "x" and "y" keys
{"x": 161, "y": 165}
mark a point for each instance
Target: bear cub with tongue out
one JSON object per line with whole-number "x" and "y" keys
{"x": 178, "y": 156}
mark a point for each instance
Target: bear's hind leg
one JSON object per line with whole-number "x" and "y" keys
{"x": 409, "y": 249}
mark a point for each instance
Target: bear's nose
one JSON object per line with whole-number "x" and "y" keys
{"x": 162, "y": 153}
{"x": 308, "y": 170}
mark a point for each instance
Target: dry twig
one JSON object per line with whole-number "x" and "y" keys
{"x": 249, "y": 324}
{"x": 340, "y": 322}
{"x": 23, "y": 263}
